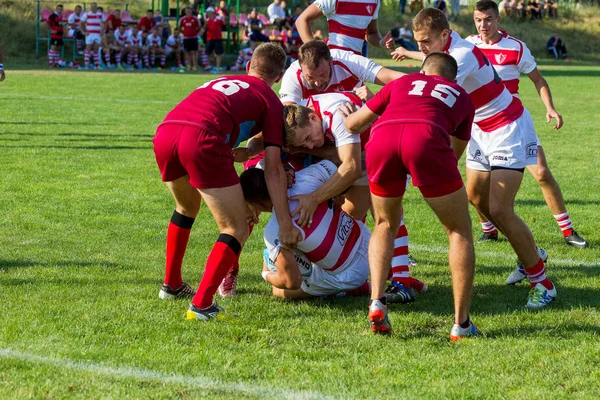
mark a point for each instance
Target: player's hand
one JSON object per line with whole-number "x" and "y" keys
{"x": 2, "y": 76}
{"x": 399, "y": 54}
{"x": 554, "y": 114}
{"x": 364, "y": 93}
{"x": 346, "y": 109}
{"x": 387, "y": 42}
{"x": 290, "y": 175}
{"x": 307, "y": 204}
{"x": 289, "y": 235}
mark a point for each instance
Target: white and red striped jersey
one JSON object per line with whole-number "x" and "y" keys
{"x": 154, "y": 40}
{"x": 122, "y": 38}
{"x": 173, "y": 41}
{"x": 347, "y": 72}
{"x": 495, "y": 107}
{"x": 509, "y": 56}
{"x": 135, "y": 40}
{"x": 333, "y": 238}
{"x": 326, "y": 106}
{"x": 73, "y": 21}
{"x": 347, "y": 21}
{"x": 93, "y": 21}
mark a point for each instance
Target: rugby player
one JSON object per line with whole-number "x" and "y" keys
{"x": 55, "y": 24}
{"x": 92, "y": 25}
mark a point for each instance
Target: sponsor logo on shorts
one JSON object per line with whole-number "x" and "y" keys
{"x": 500, "y": 158}
{"x": 344, "y": 227}
{"x": 531, "y": 150}
{"x": 476, "y": 156}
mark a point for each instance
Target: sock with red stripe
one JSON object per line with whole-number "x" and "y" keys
{"x": 204, "y": 59}
{"x": 96, "y": 59}
{"x": 145, "y": 58}
{"x": 152, "y": 59}
{"x": 564, "y": 222}
{"x": 79, "y": 44}
{"x": 118, "y": 58}
{"x": 489, "y": 228}
{"x": 50, "y": 58}
{"x": 223, "y": 256}
{"x": 537, "y": 274}
{"x": 400, "y": 269}
{"x": 163, "y": 57}
{"x": 178, "y": 235}
{"x": 136, "y": 60}
{"x": 86, "y": 58}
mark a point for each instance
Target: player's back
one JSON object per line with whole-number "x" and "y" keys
{"x": 418, "y": 98}
{"x": 221, "y": 105}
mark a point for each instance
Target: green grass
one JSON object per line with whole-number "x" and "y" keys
{"x": 82, "y": 232}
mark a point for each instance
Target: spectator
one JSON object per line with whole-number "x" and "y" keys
{"x": 2, "y": 75}
{"x": 109, "y": 47}
{"x": 174, "y": 45}
{"x": 113, "y": 22}
{"x": 402, "y": 6}
{"x": 402, "y": 36}
{"x": 557, "y": 47}
{"x": 254, "y": 28}
{"x": 74, "y": 31}
{"x": 521, "y": 11}
{"x": 416, "y": 6}
{"x": 276, "y": 14}
{"x": 286, "y": 11}
{"x": 442, "y": 6}
{"x": 534, "y": 9}
{"x": 134, "y": 48}
{"x": 214, "y": 36}
{"x": 92, "y": 25}
{"x": 245, "y": 55}
{"x": 455, "y": 8}
{"x": 190, "y": 26}
{"x": 147, "y": 22}
{"x": 55, "y": 24}
{"x": 155, "y": 48}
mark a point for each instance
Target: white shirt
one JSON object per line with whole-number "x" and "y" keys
{"x": 405, "y": 33}
{"x": 326, "y": 106}
{"x": 333, "y": 238}
{"x": 172, "y": 41}
{"x": 509, "y": 56}
{"x": 275, "y": 11}
{"x": 122, "y": 38}
{"x": 73, "y": 21}
{"x": 347, "y": 21}
{"x": 348, "y": 71}
{"x": 154, "y": 40}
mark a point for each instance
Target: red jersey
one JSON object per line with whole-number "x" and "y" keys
{"x": 146, "y": 24}
{"x": 427, "y": 99}
{"x": 221, "y": 105}
{"x": 189, "y": 27}
{"x": 55, "y": 23}
{"x": 116, "y": 23}
{"x": 214, "y": 28}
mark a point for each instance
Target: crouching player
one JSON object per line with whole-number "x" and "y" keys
{"x": 334, "y": 247}
{"x": 424, "y": 128}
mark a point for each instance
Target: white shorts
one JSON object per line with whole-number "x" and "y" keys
{"x": 323, "y": 283}
{"x": 513, "y": 146}
{"x": 92, "y": 38}
{"x": 71, "y": 32}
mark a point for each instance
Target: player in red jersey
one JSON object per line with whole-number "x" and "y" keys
{"x": 503, "y": 142}
{"x": 114, "y": 21}
{"x": 55, "y": 24}
{"x": 193, "y": 148}
{"x": 511, "y": 58}
{"x": 423, "y": 127}
{"x": 147, "y": 22}
{"x": 190, "y": 27}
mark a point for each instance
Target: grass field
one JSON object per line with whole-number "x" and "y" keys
{"x": 82, "y": 232}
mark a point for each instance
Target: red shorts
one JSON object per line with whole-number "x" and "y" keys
{"x": 421, "y": 150}
{"x": 182, "y": 150}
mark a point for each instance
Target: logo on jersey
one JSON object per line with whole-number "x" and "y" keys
{"x": 370, "y": 9}
{"x": 531, "y": 150}
{"x": 344, "y": 227}
{"x": 500, "y": 58}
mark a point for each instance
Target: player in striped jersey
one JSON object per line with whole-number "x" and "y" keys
{"x": 155, "y": 48}
{"x": 331, "y": 256}
{"x": 319, "y": 125}
{"x": 350, "y": 22}
{"x": 55, "y": 25}
{"x": 511, "y": 58}
{"x": 503, "y": 143}
{"x": 74, "y": 30}
{"x": 92, "y": 25}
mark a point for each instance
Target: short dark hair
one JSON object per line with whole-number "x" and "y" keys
{"x": 254, "y": 186}
{"x": 268, "y": 60}
{"x": 485, "y": 5}
{"x": 441, "y": 64}
{"x": 59, "y": 5}
{"x": 312, "y": 52}
{"x": 430, "y": 18}
{"x": 152, "y": 11}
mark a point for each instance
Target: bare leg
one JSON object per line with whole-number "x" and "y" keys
{"x": 357, "y": 202}
{"x": 548, "y": 184}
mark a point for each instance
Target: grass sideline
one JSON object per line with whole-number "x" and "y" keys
{"x": 82, "y": 234}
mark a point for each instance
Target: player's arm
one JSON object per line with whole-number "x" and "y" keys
{"x": 459, "y": 146}
{"x": 462, "y": 133}
{"x": 374, "y": 37}
{"x": 82, "y": 25}
{"x": 543, "y": 89}
{"x": 386, "y": 75}
{"x": 348, "y": 171}
{"x": 401, "y": 53}
{"x": 287, "y": 275}
{"x": 359, "y": 121}
{"x": 303, "y": 22}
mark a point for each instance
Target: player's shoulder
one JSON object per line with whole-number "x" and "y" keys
{"x": 475, "y": 39}
{"x": 511, "y": 41}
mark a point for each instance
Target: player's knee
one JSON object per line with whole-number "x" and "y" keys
{"x": 501, "y": 211}
{"x": 543, "y": 175}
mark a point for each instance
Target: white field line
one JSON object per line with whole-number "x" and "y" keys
{"x": 258, "y": 390}
{"x": 509, "y": 255}
{"x": 86, "y": 99}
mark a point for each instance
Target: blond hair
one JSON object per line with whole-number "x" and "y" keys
{"x": 294, "y": 117}
{"x": 432, "y": 19}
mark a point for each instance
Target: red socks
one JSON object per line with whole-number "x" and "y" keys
{"x": 178, "y": 236}
{"x": 223, "y": 256}
{"x": 537, "y": 274}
